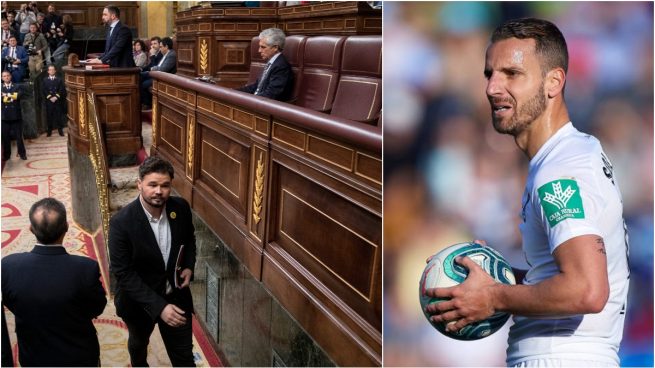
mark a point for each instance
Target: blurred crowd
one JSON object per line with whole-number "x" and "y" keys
{"x": 449, "y": 177}
{"x": 34, "y": 36}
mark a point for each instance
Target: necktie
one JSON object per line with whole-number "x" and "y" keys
{"x": 108, "y": 41}
{"x": 13, "y": 52}
{"x": 261, "y": 80}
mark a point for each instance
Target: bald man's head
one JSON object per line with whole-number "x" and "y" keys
{"x": 48, "y": 221}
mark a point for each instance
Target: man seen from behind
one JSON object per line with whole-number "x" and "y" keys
{"x": 54, "y": 295}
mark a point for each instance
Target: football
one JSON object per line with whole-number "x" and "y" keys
{"x": 443, "y": 271}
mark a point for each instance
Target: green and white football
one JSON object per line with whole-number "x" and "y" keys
{"x": 443, "y": 271}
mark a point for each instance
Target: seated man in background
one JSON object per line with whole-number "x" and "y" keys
{"x": 276, "y": 81}
{"x": 155, "y": 55}
{"x": 167, "y": 64}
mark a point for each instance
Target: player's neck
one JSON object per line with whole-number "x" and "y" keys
{"x": 540, "y": 131}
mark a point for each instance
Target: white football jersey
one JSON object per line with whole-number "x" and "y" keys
{"x": 570, "y": 191}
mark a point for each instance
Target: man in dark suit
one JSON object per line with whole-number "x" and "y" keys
{"x": 276, "y": 81}
{"x": 14, "y": 59}
{"x": 152, "y": 249}
{"x": 155, "y": 53}
{"x": 54, "y": 94}
{"x": 52, "y": 17}
{"x": 118, "y": 46}
{"x": 12, "y": 118}
{"x": 167, "y": 64}
{"x": 6, "y": 356}
{"x": 53, "y": 295}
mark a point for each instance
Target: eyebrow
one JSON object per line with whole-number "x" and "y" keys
{"x": 506, "y": 70}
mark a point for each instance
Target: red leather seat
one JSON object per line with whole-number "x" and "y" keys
{"x": 320, "y": 72}
{"x": 359, "y": 91}
{"x": 294, "y": 48}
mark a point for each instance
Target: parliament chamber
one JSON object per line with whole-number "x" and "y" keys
{"x": 286, "y": 196}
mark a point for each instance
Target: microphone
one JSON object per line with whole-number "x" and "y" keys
{"x": 86, "y": 46}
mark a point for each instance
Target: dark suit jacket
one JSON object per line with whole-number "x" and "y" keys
{"x": 169, "y": 65}
{"x": 278, "y": 84}
{"x": 138, "y": 265}
{"x": 154, "y": 60}
{"x": 53, "y": 88}
{"x": 54, "y": 297}
{"x": 52, "y": 18}
{"x": 118, "y": 48}
{"x": 11, "y": 108}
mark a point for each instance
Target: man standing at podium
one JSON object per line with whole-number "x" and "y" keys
{"x": 118, "y": 44}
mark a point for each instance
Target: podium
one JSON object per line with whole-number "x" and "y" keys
{"x": 118, "y": 109}
{"x": 104, "y": 129}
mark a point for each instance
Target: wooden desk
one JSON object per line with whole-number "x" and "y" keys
{"x": 119, "y": 110}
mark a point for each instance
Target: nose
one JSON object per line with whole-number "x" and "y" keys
{"x": 494, "y": 85}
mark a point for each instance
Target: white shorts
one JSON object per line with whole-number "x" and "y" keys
{"x": 569, "y": 363}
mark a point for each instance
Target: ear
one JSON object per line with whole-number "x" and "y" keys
{"x": 555, "y": 80}
{"x": 138, "y": 184}
{"x": 32, "y": 230}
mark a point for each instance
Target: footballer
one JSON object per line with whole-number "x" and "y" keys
{"x": 569, "y": 309}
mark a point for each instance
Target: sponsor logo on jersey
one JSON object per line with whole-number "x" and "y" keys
{"x": 561, "y": 200}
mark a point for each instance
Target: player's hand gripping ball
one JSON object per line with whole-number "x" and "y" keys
{"x": 443, "y": 271}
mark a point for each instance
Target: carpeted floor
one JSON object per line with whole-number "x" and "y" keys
{"x": 46, "y": 173}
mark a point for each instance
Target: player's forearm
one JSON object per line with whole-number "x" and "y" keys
{"x": 559, "y": 295}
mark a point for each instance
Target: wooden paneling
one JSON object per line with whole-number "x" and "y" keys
{"x": 223, "y": 166}
{"x": 348, "y": 345}
{"x": 329, "y": 152}
{"x": 345, "y": 245}
{"x": 231, "y": 29}
{"x": 117, "y": 94}
{"x": 172, "y": 133}
{"x": 301, "y": 209}
{"x": 88, "y": 14}
{"x": 233, "y": 56}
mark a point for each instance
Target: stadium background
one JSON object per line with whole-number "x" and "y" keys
{"x": 449, "y": 177}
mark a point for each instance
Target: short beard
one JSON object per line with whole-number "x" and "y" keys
{"x": 147, "y": 200}
{"x": 524, "y": 116}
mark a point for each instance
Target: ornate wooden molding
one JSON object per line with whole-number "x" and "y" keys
{"x": 204, "y": 56}
{"x": 258, "y": 195}
{"x": 191, "y": 125}
{"x": 81, "y": 107}
{"x": 154, "y": 120}
{"x": 98, "y": 157}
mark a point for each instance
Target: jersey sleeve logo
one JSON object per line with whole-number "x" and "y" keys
{"x": 561, "y": 200}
